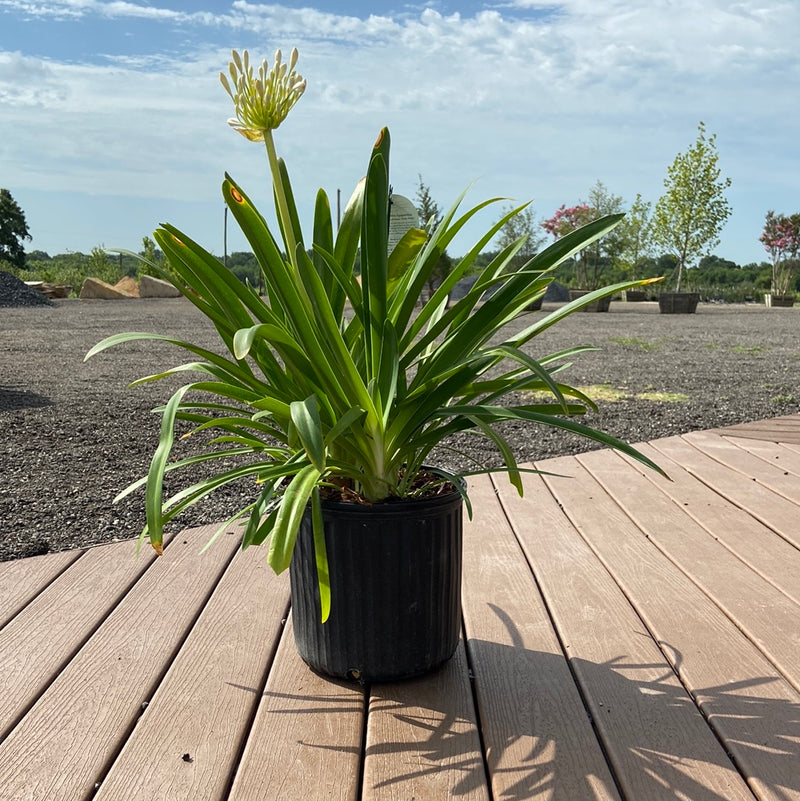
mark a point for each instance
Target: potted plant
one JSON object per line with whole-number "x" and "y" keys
{"x": 781, "y": 239}
{"x": 333, "y": 392}
{"x": 689, "y": 216}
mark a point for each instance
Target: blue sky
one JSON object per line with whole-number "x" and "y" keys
{"x": 112, "y": 118}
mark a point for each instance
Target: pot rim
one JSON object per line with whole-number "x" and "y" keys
{"x": 393, "y": 506}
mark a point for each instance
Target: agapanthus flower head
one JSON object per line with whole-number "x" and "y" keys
{"x": 262, "y": 102}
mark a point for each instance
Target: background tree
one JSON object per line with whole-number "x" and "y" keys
{"x": 604, "y": 251}
{"x": 593, "y": 260}
{"x": 781, "y": 239}
{"x": 429, "y": 217}
{"x": 429, "y": 213}
{"x": 105, "y": 265}
{"x": 149, "y": 249}
{"x": 521, "y": 224}
{"x": 13, "y": 231}
{"x": 566, "y": 219}
{"x": 634, "y": 237}
{"x": 152, "y": 254}
{"x": 689, "y": 216}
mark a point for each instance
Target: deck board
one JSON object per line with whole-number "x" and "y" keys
{"x": 625, "y": 638}
{"x": 769, "y": 474}
{"x": 210, "y": 687}
{"x": 40, "y": 640}
{"x": 422, "y": 739}
{"x": 23, "y": 579}
{"x": 538, "y": 736}
{"x": 305, "y": 740}
{"x": 756, "y": 607}
{"x": 752, "y": 542}
{"x": 779, "y": 454}
{"x": 775, "y": 429}
{"x": 62, "y": 747}
{"x": 773, "y": 510}
{"x": 745, "y": 699}
{"x": 657, "y": 750}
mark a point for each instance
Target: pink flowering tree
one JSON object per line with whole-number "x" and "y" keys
{"x": 781, "y": 239}
{"x": 567, "y": 219}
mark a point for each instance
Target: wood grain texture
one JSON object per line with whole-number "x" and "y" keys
{"x": 751, "y": 707}
{"x": 756, "y": 607}
{"x": 198, "y": 719}
{"x": 782, "y": 456}
{"x": 658, "y": 743}
{"x": 537, "y": 734}
{"x": 39, "y": 641}
{"x": 755, "y": 544}
{"x": 422, "y": 740}
{"x": 776, "y": 429}
{"x": 773, "y": 510}
{"x": 23, "y": 579}
{"x": 305, "y": 740}
{"x": 770, "y": 475}
{"x": 62, "y": 747}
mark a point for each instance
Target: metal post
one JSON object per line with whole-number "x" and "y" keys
{"x": 225, "y": 237}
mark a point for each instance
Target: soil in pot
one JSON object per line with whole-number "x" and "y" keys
{"x": 395, "y": 575}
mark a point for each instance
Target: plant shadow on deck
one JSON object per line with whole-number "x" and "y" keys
{"x": 655, "y": 768}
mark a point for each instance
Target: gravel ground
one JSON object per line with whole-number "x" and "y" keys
{"x": 72, "y": 434}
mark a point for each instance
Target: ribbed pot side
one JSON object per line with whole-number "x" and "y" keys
{"x": 395, "y": 573}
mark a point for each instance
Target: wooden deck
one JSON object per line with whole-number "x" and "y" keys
{"x": 624, "y": 638}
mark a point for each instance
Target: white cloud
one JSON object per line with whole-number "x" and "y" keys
{"x": 80, "y": 9}
{"x": 539, "y": 102}
{"x": 29, "y": 82}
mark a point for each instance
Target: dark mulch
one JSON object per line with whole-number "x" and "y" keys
{"x": 72, "y": 434}
{"x": 16, "y": 293}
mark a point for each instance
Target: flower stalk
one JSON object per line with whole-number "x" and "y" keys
{"x": 261, "y": 104}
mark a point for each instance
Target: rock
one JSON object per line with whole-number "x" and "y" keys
{"x": 150, "y": 287}
{"x": 50, "y": 290}
{"x": 95, "y": 289}
{"x": 55, "y": 290}
{"x": 129, "y": 285}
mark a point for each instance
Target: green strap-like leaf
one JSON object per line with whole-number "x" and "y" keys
{"x": 290, "y": 513}
{"x": 505, "y": 451}
{"x": 374, "y": 255}
{"x": 388, "y": 369}
{"x": 155, "y": 476}
{"x": 404, "y": 253}
{"x": 498, "y": 413}
{"x": 305, "y": 416}
{"x": 343, "y": 423}
{"x": 321, "y": 556}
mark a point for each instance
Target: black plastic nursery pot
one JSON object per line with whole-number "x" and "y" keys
{"x": 678, "y": 302}
{"x": 601, "y": 305}
{"x": 780, "y": 301}
{"x": 395, "y": 575}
